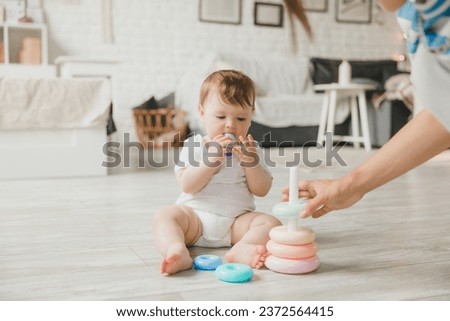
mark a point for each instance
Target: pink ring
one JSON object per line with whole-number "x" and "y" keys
{"x": 288, "y": 266}
{"x": 297, "y": 252}
{"x": 302, "y": 235}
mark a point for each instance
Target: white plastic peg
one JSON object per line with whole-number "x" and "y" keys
{"x": 293, "y": 195}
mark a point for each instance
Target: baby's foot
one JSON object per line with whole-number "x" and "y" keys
{"x": 250, "y": 254}
{"x": 176, "y": 261}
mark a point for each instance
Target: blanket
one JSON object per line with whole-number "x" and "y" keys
{"x": 54, "y": 103}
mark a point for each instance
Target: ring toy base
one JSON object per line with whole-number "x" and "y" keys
{"x": 302, "y": 235}
{"x": 293, "y": 252}
{"x": 207, "y": 262}
{"x": 287, "y": 266}
{"x": 234, "y": 273}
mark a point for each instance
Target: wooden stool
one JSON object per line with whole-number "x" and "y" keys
{"x": 356, "y": 94}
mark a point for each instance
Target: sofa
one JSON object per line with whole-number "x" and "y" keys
{"x": 53, "y": 127}
{"x": 287, "y": 110}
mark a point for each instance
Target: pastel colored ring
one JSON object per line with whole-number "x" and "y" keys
{"x": 285, "y": 210}
{"x": 207, "y": 262}
{"x": 302, "y": 235}
{"x": 287, "y": 266}
{"x": 234, "y": 273}
{"x": 286, "y": 251}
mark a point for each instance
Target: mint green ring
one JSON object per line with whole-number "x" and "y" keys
{"x": 234, "y": 273}
{"x": 285, "y": 210}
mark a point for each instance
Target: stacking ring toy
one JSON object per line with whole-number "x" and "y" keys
{"x": 207, "y": 262}
{"x": 302, "y": 235}
{"x": 292, "y": 251}
{"x": 229, "y": 147}
{"x": 286, "y": 210}
{"x": 234, "y": 273}
{"x": 288, "y": 266}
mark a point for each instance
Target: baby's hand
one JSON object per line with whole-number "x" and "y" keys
{"x": 216, "y": 149}
{"x": 246, "y": 152}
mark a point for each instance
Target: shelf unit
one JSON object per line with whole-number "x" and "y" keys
{"x": 11, "y": 35}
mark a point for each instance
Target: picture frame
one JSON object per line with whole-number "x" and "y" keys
{"x": 354, "y": 11}
{"x": 268, "y": 14}
{"x": 315, "y": 5}
{"x": 220, "y": 11}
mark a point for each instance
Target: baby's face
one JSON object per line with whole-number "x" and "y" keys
{"x": 220, "y": 118}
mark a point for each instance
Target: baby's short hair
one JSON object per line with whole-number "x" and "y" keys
{"x": 233, "y": 87}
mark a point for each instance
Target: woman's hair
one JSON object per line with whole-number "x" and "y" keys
{"x": 232, "y": 87}
{"x": 296, "y": 11}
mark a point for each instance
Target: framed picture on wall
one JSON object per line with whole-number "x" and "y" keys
{"x": 268, "y": 14}
{"x": 220, "y": 11}
{"x": 354, "y": 11}
{"x": 315, "y": 5}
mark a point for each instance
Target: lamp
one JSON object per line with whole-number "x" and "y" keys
{"x": 25, "y": 17}
{"x": 345, "y": 73}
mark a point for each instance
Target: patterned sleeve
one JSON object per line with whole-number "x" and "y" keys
{"x": 426, "y": 22}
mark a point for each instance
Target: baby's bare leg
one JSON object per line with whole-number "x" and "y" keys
{"x": 250, "y": 234}
{"x": 174, "y": 227}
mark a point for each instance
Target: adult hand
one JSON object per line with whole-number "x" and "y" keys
{"x": 326, "y": 195}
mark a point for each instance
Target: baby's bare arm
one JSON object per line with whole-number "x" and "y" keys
{"x": 259, "y": 181}
{"x": 193, "y": 179}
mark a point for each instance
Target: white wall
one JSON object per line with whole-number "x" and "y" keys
{"x": 157, "y": 39}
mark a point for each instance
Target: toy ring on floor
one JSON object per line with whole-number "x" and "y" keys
{"x": 234, "y": 273}
{"x": 207, "y": 262}
{"x": 302, "y": 235}
{"x": 292, "y": 251}
{"x": 288, "y": 266}
{"x": 285, "y": 210}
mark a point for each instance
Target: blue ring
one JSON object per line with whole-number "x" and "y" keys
{"x": 234, "y": 273}
{"x": 284, "y": 210}
{"x": 207, "y": 262}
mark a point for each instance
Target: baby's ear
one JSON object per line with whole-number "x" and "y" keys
{"x": 201, "y": 110}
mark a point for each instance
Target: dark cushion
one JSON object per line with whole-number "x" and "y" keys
{"x": 167, "y": 101}
{"x": 149, "y": 104}
{"x": 325, "y": 71}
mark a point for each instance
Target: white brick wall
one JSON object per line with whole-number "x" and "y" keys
{"x": 156, "y": 39}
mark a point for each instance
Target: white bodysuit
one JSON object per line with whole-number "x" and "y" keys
{"x": 222, "y": 200}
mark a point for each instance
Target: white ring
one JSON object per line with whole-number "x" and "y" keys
{"x": 302, "y": 235}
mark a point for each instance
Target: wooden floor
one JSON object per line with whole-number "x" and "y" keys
{"x": 90, "y": 239}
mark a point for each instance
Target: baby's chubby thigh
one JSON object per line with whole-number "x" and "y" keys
{"x": 254, "y": 226}
{"x": 172, "y": 220}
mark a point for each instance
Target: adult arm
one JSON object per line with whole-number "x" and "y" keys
{"x": 421, "y": 139}
{"x": 391, "y": 5}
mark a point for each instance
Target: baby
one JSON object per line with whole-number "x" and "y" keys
{"x": 218, "y": 178}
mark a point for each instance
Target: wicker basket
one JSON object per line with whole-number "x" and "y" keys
{"x": 162, "y": 127}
